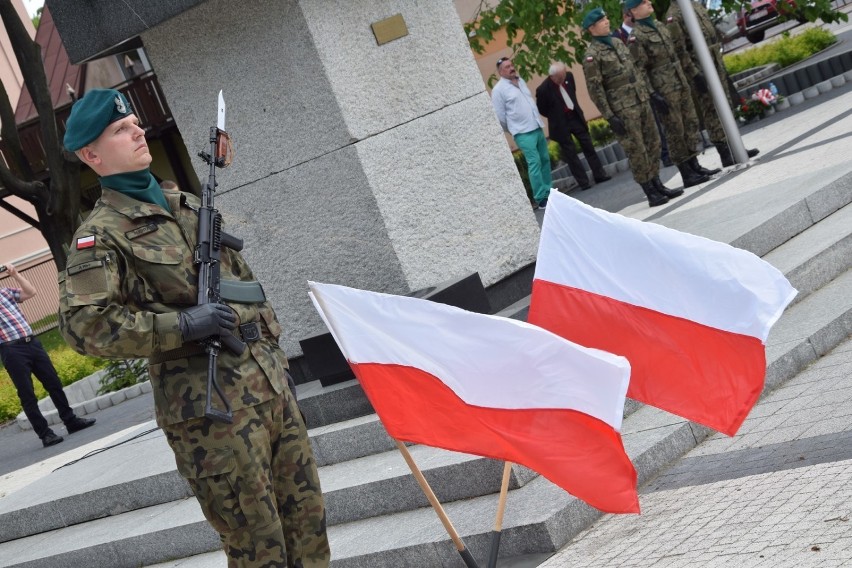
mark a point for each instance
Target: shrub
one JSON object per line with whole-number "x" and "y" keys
{"x": 70, "y": 366}
{"x": 785, "y": 51}
{"x": 123, "y": 373}
{"x": 600, "y": 132}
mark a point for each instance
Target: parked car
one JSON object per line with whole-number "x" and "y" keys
{"x": 763, "y": 14}
{"x": 725, "y": 22}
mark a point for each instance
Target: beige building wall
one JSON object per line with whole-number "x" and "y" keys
{"x": 487, "y": 63}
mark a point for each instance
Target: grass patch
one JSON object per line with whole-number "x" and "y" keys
{"x": 785, "y": 51}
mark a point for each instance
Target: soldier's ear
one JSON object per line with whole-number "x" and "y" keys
{"x": 88, "y": 155}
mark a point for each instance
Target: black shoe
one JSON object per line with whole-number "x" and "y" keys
{"x": 690, "y": 176}
{"x": 585, "y": 186}
{"x": 51, "y": 439}
{"x": 725, "y": 154}
{"x": 655, "y": 198}
{"x": 667, "y": 162}
{"x": 602, "y": 178}
{"x": 728, "y": 158}
{"x": 698, "y": 168}
{"x": 658, "y": 185}
{"x": 78, "y": 424}
{"x": 543, "y": 203}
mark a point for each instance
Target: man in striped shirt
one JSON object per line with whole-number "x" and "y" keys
{"x": 23, "y": 356}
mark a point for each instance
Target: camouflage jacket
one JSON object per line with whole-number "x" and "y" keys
{"x": 613, "y": 80}
{"x": 677, "y": 30}
{"x": 663, "y": 58}
{"x": 130, "y": 271}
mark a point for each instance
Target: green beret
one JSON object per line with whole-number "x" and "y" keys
{"x": 594, "y": 16}
{"x": 630, "y": 4}
{"x": 91, "y": 114}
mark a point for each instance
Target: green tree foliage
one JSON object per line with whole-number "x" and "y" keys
{"x": 542, "y": 31}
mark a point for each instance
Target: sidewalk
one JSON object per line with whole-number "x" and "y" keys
{"x": 778, "y": 494}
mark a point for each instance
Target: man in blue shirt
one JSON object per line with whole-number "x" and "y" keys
{"x": 518, "y": 115}
{"x": 23, "y": 356}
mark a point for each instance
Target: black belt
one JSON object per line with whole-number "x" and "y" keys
{"x": 19, "y": 341}
{"x": 247, "y": 332}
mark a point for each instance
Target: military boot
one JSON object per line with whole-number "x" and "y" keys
{"x": 698, "y": 168}
{"x": 655, "y": 198}
{"x": 690, "y": 176}
{"x": 728, "y": 158}
{"x": 658, "y": 185}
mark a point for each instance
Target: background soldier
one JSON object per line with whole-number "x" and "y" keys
{"x": 703, "y": 101}
{"x": 130, "y": 292}
{"x": 620, "y": 91}
{"x": 670, "y": 71}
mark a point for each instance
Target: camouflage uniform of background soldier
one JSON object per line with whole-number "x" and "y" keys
{"x": 671, "y": 73}
{"x": 620, "y": 91}
{"x": 129, "y": 283}
{"x": 704, "y": 105}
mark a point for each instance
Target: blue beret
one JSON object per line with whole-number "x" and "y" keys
{"x": 630, "y": 4}
{"x": 592, "y": 17}
{"x": 91, "y": 114}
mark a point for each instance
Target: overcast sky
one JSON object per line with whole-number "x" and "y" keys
{"x": 32, "y": 6}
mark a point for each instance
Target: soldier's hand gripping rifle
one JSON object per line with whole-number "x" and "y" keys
{"x": 211, "y": 239}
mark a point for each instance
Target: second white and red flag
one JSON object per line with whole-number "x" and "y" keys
{"x": 690, "y": 314}
{"x": 489, "y": 386}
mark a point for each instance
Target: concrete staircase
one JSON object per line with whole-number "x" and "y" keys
{"x": 128, "y": 507}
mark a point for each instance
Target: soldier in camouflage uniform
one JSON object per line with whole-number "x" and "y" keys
{"x": 129, "y": 291}
{"x": 704, "y": 105}
{"x": 620, "y": 91}
{"x": 671, "y": 74}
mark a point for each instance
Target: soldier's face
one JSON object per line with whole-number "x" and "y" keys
{"x": 120, "y": 148}
{"x": 600, "y": 28}
{"x": 643, "y": 10}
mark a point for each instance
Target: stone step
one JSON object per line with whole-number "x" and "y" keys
{"x": 539, "y": 517}
{"x": 357, "y": 488}
{"x": 818, "y": 255}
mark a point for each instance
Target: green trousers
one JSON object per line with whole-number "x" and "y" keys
{"x": 534, "y": 147}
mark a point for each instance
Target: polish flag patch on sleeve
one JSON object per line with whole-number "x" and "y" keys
{"x": 86, "y": 242}
{"x": 590, "y": 58}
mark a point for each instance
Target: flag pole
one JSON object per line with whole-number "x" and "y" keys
{"x": 430, "y": 495}
{"x": 498, "y": 520}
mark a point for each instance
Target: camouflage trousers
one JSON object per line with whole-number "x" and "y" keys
{"x": 256, "y": 481}
{"x": 681, "y": 125}
{"x": 709, "y": 117}
{"x": 641, "y": 143}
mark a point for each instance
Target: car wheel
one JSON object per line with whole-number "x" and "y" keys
{"x": 756, "y": 37}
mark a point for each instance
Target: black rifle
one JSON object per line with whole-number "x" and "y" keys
{"x": 211, "y": 239}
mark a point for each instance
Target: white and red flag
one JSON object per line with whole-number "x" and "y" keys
{"x": 690, "y": 314}
{"x": 489, "y": 386}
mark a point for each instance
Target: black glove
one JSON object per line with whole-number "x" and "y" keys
{"x": 206, "y": 320}
{"x": 617, "y": 126}
{"x": 700, "y": 83}
{"x": 659, "y": 103}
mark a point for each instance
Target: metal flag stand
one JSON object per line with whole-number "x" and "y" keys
{"x": 430, "y": 495}
{"x": 498, "y": 520}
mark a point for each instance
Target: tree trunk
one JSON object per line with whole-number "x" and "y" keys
{"x": 58, "y": 204}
